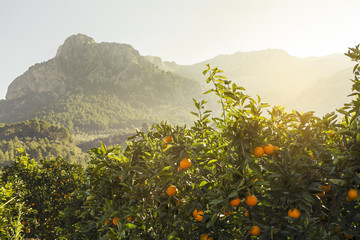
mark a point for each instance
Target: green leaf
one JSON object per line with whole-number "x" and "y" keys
{"x": 203, "y": 183}
{"x": 265, "y": 203}
{"x": 217, "y": 201}
{"x": 233, "y": 194}
{"x": 212, "y": 161}
{"x": 130, "y": 225}
{"x": 338, "y": 182}
{"x": 212, "y": 221}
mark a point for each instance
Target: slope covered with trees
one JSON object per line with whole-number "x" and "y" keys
{"x": 39, "y": 139}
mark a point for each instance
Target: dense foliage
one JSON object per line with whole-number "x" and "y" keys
{"x": 39, "y": 139}
{"x": 244, "y": 175}
{"x": 100, "y": 112}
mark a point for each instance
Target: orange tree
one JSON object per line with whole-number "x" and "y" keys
{"x": 46, "y": 188}
{"x": 293, "y": 186}
{"x": 10, "y": 213}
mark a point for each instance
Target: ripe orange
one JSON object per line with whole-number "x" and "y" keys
{"x": 352, "y": 194}
{"x": 235, "y": 202}
{"x": 247, "y": 213}
{"x": 185, "y": 163}
{"x": 259, "y": 152}
{"x": 251, "y": 200}
{"x": 255, "y": 231}
{"x": 115, "y": 220}
{"x": 27, "y": 230}
{"x": 171, "y": 190}
{"x": 195, "y": 212}
{"x": 326, "y": 188}
{"x": 199, "y": 216}
{"x": 255, "y": 180}
{"x": 168, "y": 139}
{"x": 205, "y": 236}
{"x": 294, "y": 213}
{"x": 23, "y": 223}
{"x": 106, "y": 221}
{"x": 321, "y": 194}
{"x": 269, "y": 149}
{"x": 276, "y": 148}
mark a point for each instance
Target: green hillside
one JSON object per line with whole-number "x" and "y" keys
{"x": 39, "y": 139}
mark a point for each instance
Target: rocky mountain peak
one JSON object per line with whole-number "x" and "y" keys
{"x": 73, "y": 44}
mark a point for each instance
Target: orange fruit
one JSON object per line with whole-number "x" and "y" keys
{"x": 130, "y": 218}
{"x": 259, "y": 152}
{"x": 247, "y": 213}
{"x": 27, "y": 230}
{"x": 171, "y": 190}
{"x": 352, "y": 194}
{"x": 255, "y": 231}
{"x": 321, "y": 194}
{"x": 179, "y": 169}
{"x": 348, "y": 199}
{"x": 294, "y": 213}
{"x": 195, "y": 212}
{"x": 23, "y": 223}
{"x": 269, "y": 149}
{"x": 235, "y": 202}
{"x": 255, "y": 180}
{"x": 115, "y": 220}
{"x": 199, "y": 216}
{"x": 106, "y": 221}
{"x": 185, "y": 163}
{"x": 276, "y": 148}
{"x": 251, "y": 200}
{"x": 326, "y": 188}
{"x": 205, "y": 236}
{"x": 168, "y": 139}
{"x": 331, "y": 134}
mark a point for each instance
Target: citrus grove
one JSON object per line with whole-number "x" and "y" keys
{"x": 255, "y": 172}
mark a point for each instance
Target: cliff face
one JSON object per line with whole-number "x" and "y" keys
{"x": 79, "y": 60}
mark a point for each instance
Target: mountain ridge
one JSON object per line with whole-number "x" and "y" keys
{"x": 116, "y": 82}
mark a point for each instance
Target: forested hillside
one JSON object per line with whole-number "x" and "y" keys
{"x": 39, "y": 139}
{"x": 92, "y": 86}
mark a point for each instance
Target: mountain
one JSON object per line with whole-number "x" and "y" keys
{"x": 327, "y": 94}
{"x": 91, "y": 86}
{"x": 278, "y": 77}
{"x": 39, "y": 139}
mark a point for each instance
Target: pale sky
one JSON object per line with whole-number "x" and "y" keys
{"x": 186, "y": 31}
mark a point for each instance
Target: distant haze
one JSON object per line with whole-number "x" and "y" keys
{"x": 185, "y": 31}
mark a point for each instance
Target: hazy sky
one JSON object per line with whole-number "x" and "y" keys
{"x": 186, "y": 31}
